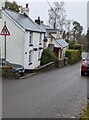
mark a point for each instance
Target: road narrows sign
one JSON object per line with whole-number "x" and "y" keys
{"x": 5, "y": 30}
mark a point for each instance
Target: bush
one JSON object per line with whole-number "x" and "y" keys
{"x": 73, "y": 56}
{"x": 48, "y": 56}
{"x": 77, "y": 47}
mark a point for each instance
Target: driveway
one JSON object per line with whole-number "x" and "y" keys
{"x": 53, "y": 94}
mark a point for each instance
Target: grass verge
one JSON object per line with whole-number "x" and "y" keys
{"x": 86, "y": 114}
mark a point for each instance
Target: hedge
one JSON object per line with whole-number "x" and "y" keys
{"x": 77, "y": 47}
{"x": 73, "y": 55}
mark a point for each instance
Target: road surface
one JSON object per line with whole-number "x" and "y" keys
{"x": 53, "y": 94}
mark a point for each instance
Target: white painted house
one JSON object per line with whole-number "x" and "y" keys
{"x": 54, "y": 40}
{"x": 25, "y": 43}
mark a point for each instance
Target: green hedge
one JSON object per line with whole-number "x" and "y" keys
{"x": 77, "y": 47}
{"x": 73, "y": 55}
{"x": 48, "y": 56}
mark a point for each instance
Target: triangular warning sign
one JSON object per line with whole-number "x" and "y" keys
{"x": 5, "y": 31}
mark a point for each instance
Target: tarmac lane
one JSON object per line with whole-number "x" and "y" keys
{"x": 61, "y": 93}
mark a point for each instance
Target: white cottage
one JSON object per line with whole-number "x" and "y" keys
{"x": 54, "y": 40}
{"x": 25, "y": 43}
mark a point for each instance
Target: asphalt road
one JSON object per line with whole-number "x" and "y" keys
{"x": 53, "y": 94}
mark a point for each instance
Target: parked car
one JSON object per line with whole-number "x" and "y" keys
{"x": 15, "y": 67}
{"x": 85, "y": 66}
{"x": 18, "y": 68}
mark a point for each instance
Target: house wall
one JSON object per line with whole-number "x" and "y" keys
{"x": 34, "y": 54}
{"x": 18, "y": 45}
{"x": 14, "y": 42}
{"x": 47, "y": 43}
{"x": 63, "y": 51}
{"x": 0, "y": 35}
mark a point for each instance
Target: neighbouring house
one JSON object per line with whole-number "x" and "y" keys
{"x": 25, "y": 44}
{"x": 54, "y": 38}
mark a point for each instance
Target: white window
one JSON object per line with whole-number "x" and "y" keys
{"x": 30, "y": 38}
{"x": 40, "y": 39}
{"x": 0, "y": 14}
{"x": 39, "y": 55}
{"x": 30, "y": 56}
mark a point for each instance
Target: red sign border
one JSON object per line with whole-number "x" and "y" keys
{"x": 6, "y": 29}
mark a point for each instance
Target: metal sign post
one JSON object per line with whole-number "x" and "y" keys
{"x": 5, "y": 32}
{"x": 5, "y": 48}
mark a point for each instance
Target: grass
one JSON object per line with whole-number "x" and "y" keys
{"x": 86, "y": 114}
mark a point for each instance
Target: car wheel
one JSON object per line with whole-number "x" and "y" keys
{"x": 82, "y": 73}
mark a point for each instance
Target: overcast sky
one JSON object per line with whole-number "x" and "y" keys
{"x": 75, "y": 9}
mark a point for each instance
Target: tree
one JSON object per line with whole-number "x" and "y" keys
{"x": 83, "y": 41}
{"x": 12, "y": 6}
{"x": 57, "y": 15}
{"x": 68, "y": 25}
{"x": 77, "y": 29}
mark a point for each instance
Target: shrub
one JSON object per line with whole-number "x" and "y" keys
{"x": 73, "y": 55}
{"x": 78, "y": 47}
{"x": 48, "y": 56}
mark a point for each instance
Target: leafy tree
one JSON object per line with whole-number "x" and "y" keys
{"x": 83, "y": 41}
{"x": 77, "y": 29}
{"x": 57, "y": 15}
{"x": 12, "y": 6}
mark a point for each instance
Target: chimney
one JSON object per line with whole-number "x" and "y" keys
{"x": 38, "y": 21}
{"x": 2, "y": 4}
{"x": 26, "y": 5}
{"x": 24, "y": 10}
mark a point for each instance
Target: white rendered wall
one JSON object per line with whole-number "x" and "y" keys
{"x": 14, "y": 43}
{"x": 35, "y": 61}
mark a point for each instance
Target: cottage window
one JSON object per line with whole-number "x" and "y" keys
{"x": 30, "y": 38}
{"x": 0, "y": 14}
{"x": 30, "y": 56}
{"x": 40, "y": 39}
{"x": 39, "y": 55}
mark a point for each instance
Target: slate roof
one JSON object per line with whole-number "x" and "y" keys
{"x": 62, "y": 42}
{"x": 45, "y": 27}
{"x": 56, "y": 44}
{"x": 24, "y": 21}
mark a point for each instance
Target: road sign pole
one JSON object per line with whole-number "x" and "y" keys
{"x": 5, "y": 32}
{"x": 5, "y": 49}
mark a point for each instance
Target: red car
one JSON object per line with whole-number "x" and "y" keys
{"x": 85, "y": 67}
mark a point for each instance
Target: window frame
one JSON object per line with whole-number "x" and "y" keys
{"x": 39, "y": 54}
{"x": 40, "y": 39}
{"x": 30, "y": 57}
{"x": 30, "y": 38}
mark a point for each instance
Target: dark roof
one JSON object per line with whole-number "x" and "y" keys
{"x": 45, "y": 27}
{"x": 48, "y": 30}
{"x": 24, "y": 21}
{"x": 62, "y": 42}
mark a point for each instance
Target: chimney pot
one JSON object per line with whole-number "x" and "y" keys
{"x": 38, "y": 18}
{"x": 26, "y": 5}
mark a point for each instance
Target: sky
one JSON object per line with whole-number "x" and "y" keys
{"x": 75, "y": 10}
